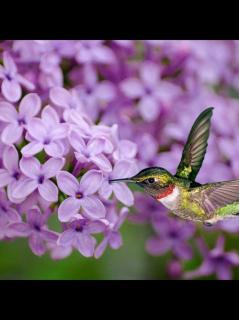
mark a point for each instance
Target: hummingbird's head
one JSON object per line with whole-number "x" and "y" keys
{"x": 154, "y": 180}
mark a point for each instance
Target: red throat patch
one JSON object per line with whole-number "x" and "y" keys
{"x": 167, "y": 192}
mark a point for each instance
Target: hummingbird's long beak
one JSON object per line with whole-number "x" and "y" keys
{"x": 122, "y": 180}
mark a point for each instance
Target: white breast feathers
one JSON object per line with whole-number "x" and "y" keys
{"x": 171, "y": 200}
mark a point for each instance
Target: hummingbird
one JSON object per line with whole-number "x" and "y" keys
{"x": 180, "y": 193}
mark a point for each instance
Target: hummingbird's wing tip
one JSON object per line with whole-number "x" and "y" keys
{"x": 209, "y": 109}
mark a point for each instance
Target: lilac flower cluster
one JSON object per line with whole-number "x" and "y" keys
{"x": 57, "y": 156}
{"x": 75, "y": 114}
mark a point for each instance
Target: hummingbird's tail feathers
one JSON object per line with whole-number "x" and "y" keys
{"x": 195, "y": 148}
{"x": 221, "y": 197}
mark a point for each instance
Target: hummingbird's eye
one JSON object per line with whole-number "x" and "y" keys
{"x": 151, "y": 180}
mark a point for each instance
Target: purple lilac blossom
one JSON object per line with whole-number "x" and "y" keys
{"x": 78, "y": 235}
{"x": 37, "y": 176}
{"x": 17, "y": 121}
{"x": 91, "y": 152}
{"x": 93, "y": 51}
{"x": 66, "y": 100}
{"x": 150, "y": 90}
{"x": 46, "y": 133}
{"x": 10, "y": 174}
{"x": 112, "y": 235}
{"x": 215, "y": 261}
{"x": 171, "y": 235}
{"x": 36, "y": 230}
{"x": 8, "y": 216}
{"x": 81, "y": 195}
{"x": 96, "y": 96}
{"x": 12, "y": 80}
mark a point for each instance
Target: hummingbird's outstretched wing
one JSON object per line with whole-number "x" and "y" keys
{"x": 218, "y": 195}
{"x": 195, "y": 147}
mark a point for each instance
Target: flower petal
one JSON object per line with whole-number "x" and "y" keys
{"x": 49, "y": 235}
{"x": 124, "y": 169}
{"x": 85, "y": 243}
{"x": 37, "y": 129}
{"x": 59, "y": 252}
{"x": 92, "y": 207}
{"x": 224, "y": 272}
{"x": 121, "y": 218}
{"x": 10, "y": 159}
{"x": 76, "y": 141}
{"x": 37, "y": 245}
{"x": 5, "y": 178}
{"x": 55, "y": 149}
{"x": 32, "y": 148}
{"x": 68, "y": 208}
{"x": 101, "y": 248}
{"x": 48, "y": 190}
{"x": 30, "y": 105}
{"x": 9, "y": 63}
{"x": 60, "y": 97}
{"x": 96, "y": 227}
{"x": 52, "y": 167}
{"x": 182, "y": 250}
{"x": 115, "y": 240}
{"x": 35, "y": 217}
{"x": 8, "y": 112}
{"x": 26, "y": 203}
{"x": 149, "y": 73}
{"x": 109, "y": 147}
{"x": 82, "y": 122}
{"x": 11, "y": 134}
{"x": 21, "y": 229}
{"x": 26, "y": 83}
{"x": 132, "y": 88}
{"x": 91, "y": 182}
{"x": 205, "y": 269}
{"x": 95, "y": 146}
{"x": 105, "y": 91}
{"x": 233, "y": 257}
{"x": 105, "y": 189}
{"x": 102, "y": 162}
{"x": 149, "y": 108}
{"x": 13, "y": 215}
{"x": 59, "y": 131}
{"x": 12, "y": 185}
{"x": 11, "y": 90}
{"x": 156, "y": 246}
{"x": 90, "y": 75}
{"x": 103, "y": 54}
{"x": 81, "y": 158}
{"x": 24, "y": 187}
{"x": 67, "y": 183}
{"x": 83, "y": 56}
{"x": 50, "y": 116}
{"x": 66, "y": 238}
{"x": 127, "y": 149}
{"x": 31, "y": 167}
{"x": 123, "y": 193}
